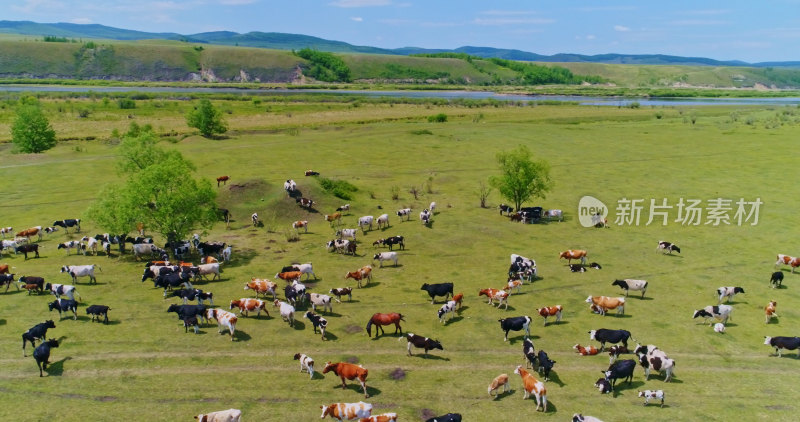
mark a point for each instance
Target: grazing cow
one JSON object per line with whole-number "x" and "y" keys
{"x": 586, "y": 351}
{"x": 605, "y": 303}
{"x": 769, "y": 310}
{"x": 657, "y": 363}
{"x": 383, "y": 220}
{"x": 30, "y": 232}
{"x": 449, "y": 307}
{"x": 615, "y": 351}
{"x": 338, "y": 245}
{"x": 621, "y": 369}
{"x": 421, "y": 342}
{"x": 603, "y": 386}
{"x": 192, "y": 294}
{"x": 211, "y": 248}
{"x": 356, "y": 275}
{"x": 311, "y": 173}
{"x": 4, "y": 230}
{"x": 499, "y": 381}
{"x": 224, "y": 319}
{"x": 394, "y": 240}
{"x": 317, "y": 321}
{"x": 171, "y": 281}
{"x": 76, "y": 271}
{"x": 365, "y": 221}
{"x": 304, "y": 202}
{"x": 450, "y": 417}
{"x": 531, "y": 385}
{"x": 604, "y": 336}
{"x": 341, "y": 291}
{"x": 187, "y": 311}
{"x": 385, "y": 417}
{"x": 345, "y": 207}
{"x": 306, "y": 363}
{"x": 728, "y": 292}
{"x": 286, "y": 310}
{"x": 37, "y": 332}
{"x": 300, "y": 224}
{"x": 289, "y": 276}
{"x": 321, "y": 300}
{"x": 631, "y": 284}
{"x": 73, "y": 244}
{"x": 516, "y": 324}
{"x": 554, "y": 214}
{"x": 351, "y": 233}
{"x": 223, "y": 180}
{"x": 776, "y": 279}
{"x": 720, "y": 312}
{"x": 385, "y": 256}
{"x": 306, "y": 269}
{"x": 405, "y": 212}
{"x": 545, "y": 364}
{"x": 59, "y": 290}
{"x": 205, "y": 269}
{"x": 289, "y": 186}
{"x": 529, "y": 353}
{"x": 348, "y": 371}
{"x": 42, "y": 354}
{"x": 652, "y": 394}
{"x": 783, "y": 343}
{"x": 144, "y": 248}
{"x": 226, "y": 253}
{"x": 27, "y": 248}
{"x": 550, "y": 311}
{"x": 438, "y": 289}
{"x": 350, "y": 248}
{"x": 500, "y": 295}
{"x": 458, "y": 298}
{"x": 347, "y": 411}
{"x": 153, "y": 271}
{"x": 573, "y": 254}
{"x": 66, "y": 224}
{"x": 664, "y": 246}
{"x": 505, "y": 209}
{"x": 246, "y": 305}
{"x": 64, "y": 305}
{"x": 335, "y": 217}
{"x": 425, "y": 216}
{"x": 299, "y": 289}
{"x": 577, "y": 417}
{"x": 513, "y": 284}
{"x": 90, "y": 245}
{"x": 97, "y": 311}
{"x": 230, "y": 415}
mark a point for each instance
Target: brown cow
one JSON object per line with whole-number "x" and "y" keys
{"x": 604, "y": 303}
{"x": 289, "y": 275}
{"x": 573, "y": 254}
{"x": 223, "y": 180}
{"x": 261, "y": 286}
{"x": 348, "y": 371}
{"x": 246, "y": 305}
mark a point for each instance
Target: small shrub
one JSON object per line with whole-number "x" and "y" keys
{"x": 659, "y": 115}
{"x": 634, "y": 104}
{"x": 395, "y": 192}
{"x": 291, "y": 235}
{"x": 429, "y": 185}
{"x": 338, "y": 188}
{"x": 438, "y": 118}
{"x": 83, "y": 113}
{"x": 421, "y": 132}
{"x": 126, "y": 103}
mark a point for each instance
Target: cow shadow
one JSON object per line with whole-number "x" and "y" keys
{"x": 369, "y": 285}
{"x": 431, "y": 357}
{"x": 330, "y": 336}
{"x": 13, "y": 292}
{"x": 462, "y": 309}
{"x": 643, "y": 298}
{"x": 110, "y": 322}
{"x": 239, "y": 335}
{"x": 330, "y": 314}
{"x": 454, "y": 319}
{"x": 614, "y": 315}
{"x": 562, "y": 322}
{"x": 299, "y": 325}
{"x": 555, "y": 379}
{"x": 2, "y": 322}
{"x": 241, "y": 258}
{"x": 429, "y": 225}
{"x": 297, "y": 193}
{"x": 673, "y": 256}
{"x": 623, "y": 386}
{"x": 56, "y": 369}
{"x": 501, "y": 396}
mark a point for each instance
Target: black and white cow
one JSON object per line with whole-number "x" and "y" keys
{"x": 577, "y": 268}
{"x": 76, "y": 271}
{"x": 450, "y": 417}
{"x": 505, "y": 209}
{"x": 73, "y": 244}
{"x": 192, "y": 294}
{"x": 447, "y": 308}
{"x": 187, "y": 311}
{"x": 66, "y": 224}
{"x": 728, "y": 292}
{"x": 783, "y": 343}
{"x": 37, "y": 332}
{"x": 438, "y": 289}
{"x": 405, "y": 212}
{"x": 179, "y": 248}
{"x": 516, "y": 324}
{"x": 304, "y": 202}
{"x": 42, "y": 354}
{"x": 658, "y": 364}
{"x": 8, "y": 280}
{"x": 59, "y": 290}
{"x": 211, "y": 248}
{"x": 604, "y": 336}
{"x": 776, "y": 279}
{"x": 652, "y": 394}
{"x": 64, "y": 305}
{"x": 603, "y": 386}
{"x": 529, "y": 353}
{"x": 621, "y": 369}
{"x": 667, "y": 247}
{"x": 631, "y": 284}
{"x": 394, "y": 240}
{"x": 97, "y": 311}
{"x": 721, "y": 312}
{"x": 172, "y": 280}
{"x": 318, "y": 322}
{"x": 545, "y": 364}
{"x": 421, "y": 342}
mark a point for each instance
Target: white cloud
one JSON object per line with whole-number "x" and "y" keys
{"x": 590, "y": 37}
{"x": 82, "y": 21}
{"x": 357, "y": 19}
{"x": 37, "y": 6}
{"x": 360, "y": 3}
{"x": 511, "y": 21}
{"x": 620, "y": 28}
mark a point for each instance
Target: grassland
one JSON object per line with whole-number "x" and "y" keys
{"x": 143, "y": 364}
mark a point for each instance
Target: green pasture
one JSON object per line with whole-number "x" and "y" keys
{"x": 143, "y": 364}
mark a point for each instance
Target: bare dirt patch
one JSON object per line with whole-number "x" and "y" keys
{"x": 352, "y": 359}
{"x": 426, "y": 414}
{"x": 352, "y": 329}
{"x": 398, "y": 374}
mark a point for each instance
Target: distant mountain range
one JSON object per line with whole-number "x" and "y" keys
{"x": 282, "y": 41}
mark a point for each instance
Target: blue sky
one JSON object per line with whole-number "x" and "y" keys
{"x": 751, "y": 31}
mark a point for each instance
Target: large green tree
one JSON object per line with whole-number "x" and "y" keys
{"x": 521, "y": 178}
{"x": 207, "y": 119}
{"x": 31, "y": 131}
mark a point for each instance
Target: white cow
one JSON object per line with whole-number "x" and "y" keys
{"x": 383, "y": 220}
{"x": 306, "y": 269}
{"x": 365, "y": 221}
{"x": 351, "y": 233}
{"x": 287, "y": 311}
{"x": 204, "y": 269}
{"x": 290, "y": 186}
{"x": 425, "y": 216}
{"x": 226, "y": 253}
{"x": 432, "y": 207}
{"x": 386, "y": 256}
{"x": 144, "y": 248}
{"x": 306, "y": 363}
{"x": 405, "y": 212}
{"x": 81, "y": 271}
{"x": 91, "y": 244}
{"x": 62, "y": 289}
{"x": 321, "y": 300}
{"x": 230, "y": 415}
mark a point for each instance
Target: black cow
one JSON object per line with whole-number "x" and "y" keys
{"x": 545, "y": 364}
{"x": 516, "y": 324}
{"x": 162, "y": 270}
{"x": 186, "y": 311}
{"x": 37, "y": 332}
{"x": 783, "y": 343}
{"x": 42, "y": 354}
{"x": 776, "y": 279}
{"x": 208, "y": 248}
{"x": 96, "y": 311}
{"x": 318, "y": 322}
{"x": 422, "y": 343}
{"x": 577, "y": 268}
{"x": 395, "y": 240}
{"x": 8, "y": 280}
{"x": 620, "y": 369}
{"x": 312, "y": 173}
{"x": 172, "y": 280}
{"x": 289, "y": 268}
{"x": 192, "y": 294}
{"x": 139, "y": 240}
{"x": 529, "y": 353}
{"x": 450, "y": 417}
{"x": 439, "y": 289}
{"x": 604, "y": 386}
{"x": 66, "y": 224}
{"x": 26, "y": 279}
{"x": 64, "y": 305}
{"x": 30, "y": 247}
{"x": 291, "y": 294}
{"x": 610, "y": 336}
{"x": 190, "y": 322}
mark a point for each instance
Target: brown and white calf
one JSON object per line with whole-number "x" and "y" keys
{"x": 224, "y": 319}
{"x": 513, "y": 284}
{"x": 550, "y": 311}
{"x": 385, "y": 417}
{"x": 788, "y": 260}
{"x": 586, "y": 351}
{"x": 770, "y": 311}
{"x": 347, "y": 411}
{"x": 494, "y": 294}
{"x": 606, "y": 303}
{"x": 499, "y": 381}
{"x": 306, "y": 363}
{"x": 247, "y": 305}
{"x": 261, "y": 286}
{"x": 341, "y": 291}
{"x": 531, "y": 385}
{"x": 300, "y": 224}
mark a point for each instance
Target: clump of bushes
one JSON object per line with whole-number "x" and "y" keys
{"x": 438, "y": 118}
{"x": 338, "y": 188}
